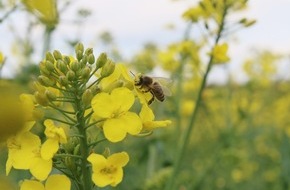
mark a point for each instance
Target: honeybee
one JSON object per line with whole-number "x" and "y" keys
{"x": 155, "y": 85}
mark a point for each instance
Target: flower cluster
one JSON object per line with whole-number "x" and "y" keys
{"x": 74, "y": 98}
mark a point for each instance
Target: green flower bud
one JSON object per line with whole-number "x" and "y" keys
{"x": 87, "y": 97}
{"x": 95, "y": 89}
{"x": 62, "y": 66}
{"x": 49, "y": 57}
{"x": 45, "y": 81}
{"x": 102, "y": 59}
{"x": 79, "y": 55}
{"x": 91, "y": 59}
{"x": 63, "y": 81}
{"x": 89, "y": 51}
{"x": 75, "y": 66}
{"x": 84, "y": 60}
{"x": 50, "y": 95}
{"x": 43, "y": 69}
{"x": 49, "y": 66}
{"x": 79, "y": 47}
{"x": 86, "y": 72}
{"x": 108, "y": 68}
{"x": 57, "y": 55}
{"x": 41, "y": 99}
{"x": 107, "y": 152}
{"x": 76, "y": 149}
{"x": 66, "y": 60}
{"x": 70, "y": 75}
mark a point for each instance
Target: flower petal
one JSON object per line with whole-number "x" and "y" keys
{"x": 119, "y": 159}
{"x": 49, "y": 148}
{"x": 101, "y": 179}
{"x": 57, "y": 182}
{"x": 102, "y": 106}
{"x": 31, "y": 184}
{"x": 41, "y": 168}
{"x": 118, "y": 177}
{"x": 123, "y": 98}
{"x": 98, "y": 161}
{"x": 146, "y": 113}
{"x": 131, "y": 123}
{"x": 114, "y": 130}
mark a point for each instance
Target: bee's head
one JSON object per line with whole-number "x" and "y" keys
{"x": 138, "y": 79}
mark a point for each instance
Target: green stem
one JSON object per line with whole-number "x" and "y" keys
{"x": 179, "y": 90}
{"x": 68, "y": 155}
{"x": 84, "y": 147}
{"x": 61, "y": 121}
{"x": 187, "y": 132}
{"x": 47, "y": 38}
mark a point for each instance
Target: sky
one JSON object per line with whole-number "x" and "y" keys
{"x": 133, "y": 23}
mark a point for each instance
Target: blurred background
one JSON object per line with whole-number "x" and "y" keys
{"x": 241, "y": 137}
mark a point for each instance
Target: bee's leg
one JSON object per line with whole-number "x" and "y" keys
{"x": 152, "y": 99}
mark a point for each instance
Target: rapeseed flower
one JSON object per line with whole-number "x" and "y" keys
{"x": 219, "y": 54}
{"x": 22, "y": 148}
{"x": 147, "y": 117}
{"x": 108, "y": 171}
{"x": 53, "y": 182}
{"x": 114, "y": 109}
{"x": 54, "y": 135}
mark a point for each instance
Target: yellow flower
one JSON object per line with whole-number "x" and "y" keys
{"x": 147, "y": 117}
{"x": 22, "y": 148}
{"x": 45, "y": 10}
{"x": 53, "y": 182}
{"x": 114, "y": 109}
{"x": 219, "y": 53}
{"x": 24, "y": 153}
{"x": 2, "y": 59}
{"x": 108, "y": 171}
{"x": 28, "y": 106}
{"x": 40, "y": 168}
{"x": 55, "y": 135}
{"x": 120, "y": 77}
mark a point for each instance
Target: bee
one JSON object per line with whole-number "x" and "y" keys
{"x": 155, "y": 85}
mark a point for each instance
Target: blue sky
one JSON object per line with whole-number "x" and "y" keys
{"x": 134, "y": 23}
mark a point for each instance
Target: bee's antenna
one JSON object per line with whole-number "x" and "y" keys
{"x": 132, "y": 73}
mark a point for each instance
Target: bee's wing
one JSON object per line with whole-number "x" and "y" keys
{"x": 164, "y": 83}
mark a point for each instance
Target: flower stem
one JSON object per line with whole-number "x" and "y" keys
{"x": 187, "y": 132}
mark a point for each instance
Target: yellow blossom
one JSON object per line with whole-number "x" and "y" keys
{"x": 22, "y": 148}
{"x": 40, "y": 168}
{"x": 45, "y": 10}
{"x": 219, "y": 53}
{"x": 114, "y": 109}
{"x": 147, "y": 117}
{"x": 108, "y": 171}
{"x": 2, "y": 59}
{"x": 55, "y": 135}
{"x": 53, "y": 182}
{"x": 120, "y": 77}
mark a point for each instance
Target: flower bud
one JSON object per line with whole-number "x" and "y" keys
{"x": 49, "y": 66}
{"x": 50, "y": 95}
{"x": 89, "y": 51}
{"x": 102, "y": 59}
{"x": 79, "y": 47}
{"x": 108, "y": 68}
{"x": 66, "y": 60}
{"x": 43, "y": 69}
{"x": 70, "y": 75}
{"x": 41, "y": 99}
{"x": 45, "y": 81}
{"x": 63, "y": 81}
{"x": 87, "y": 97}
{"x": 75, "y": 66}
{"x": 84, "y": 60}
{"x": 86, "y": 72}
{"x": 49, "y": 57}
{"x": 79, "y": 55}
{"x": 91, "y": 59}
{"x": 62, "y": 66}
{"x": 57, "y": 55}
